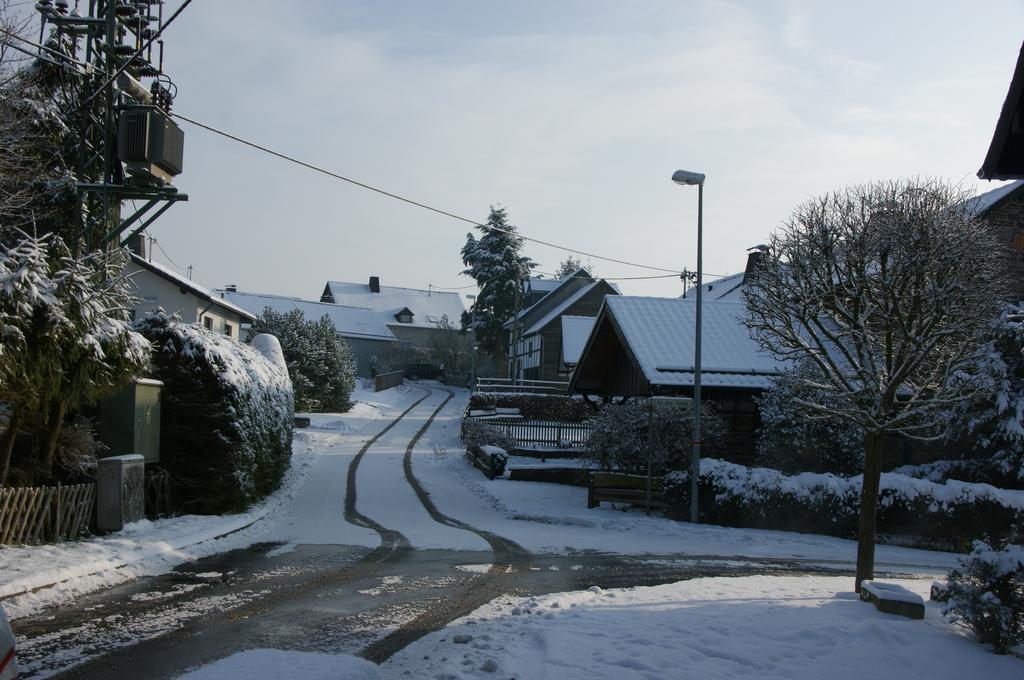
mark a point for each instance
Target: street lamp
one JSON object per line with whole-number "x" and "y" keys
{"x": 687, "y": 178}
{"x": 472, "y": 346}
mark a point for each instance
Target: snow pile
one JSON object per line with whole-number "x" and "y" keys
{"x": 756, "y": 627}
{"x": 227, "y": 416}
{"x": 272, "y": 664}
{"x": 954, "y": 512}
{"x": 986, "y": 593}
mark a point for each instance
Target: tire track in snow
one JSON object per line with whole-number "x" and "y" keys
{"x": 510, "y": 558}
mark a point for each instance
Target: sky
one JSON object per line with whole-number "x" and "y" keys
{"x": 572, "y": 115}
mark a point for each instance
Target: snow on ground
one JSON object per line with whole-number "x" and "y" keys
{"x": 273, "y": 664}
{"x": 751, "y": 627}
{"x": 554, "y": 518}
{"x": 63, "y": 571}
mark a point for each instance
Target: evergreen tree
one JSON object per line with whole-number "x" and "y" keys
{"x": 570, "y": 265}
{"x": 495, "y": 261}
{"x": 319, "y": 360}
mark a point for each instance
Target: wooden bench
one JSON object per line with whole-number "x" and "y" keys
{"x": 892, "y": 599}
{"x": 615, "y": 487}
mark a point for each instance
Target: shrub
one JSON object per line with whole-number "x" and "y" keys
{"x": 976, "y": 470}
{"x": 793, "y": 438}
{"x": 620, "y": 437}
{"x": 534, "y": 406}
{"x": 319, "y": 360}
{"x": 480, "y": 433}
{"x": 226, "y": 417}
{"x": 950, "y": 515}
{"x": 987, "y": 595}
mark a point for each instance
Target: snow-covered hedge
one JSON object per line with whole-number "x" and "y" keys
{"x": 986, "y": 592}
{"x": 950, "y": 515}
{"x": 536, "y": 406}
{"x": 979, "y": 470}
{"x": 226, "y": 416}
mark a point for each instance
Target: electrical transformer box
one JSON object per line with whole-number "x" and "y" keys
{"x": 150, "y": 144}
{"x": 130, "y": 421}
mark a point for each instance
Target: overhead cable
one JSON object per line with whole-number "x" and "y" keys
{"x": 410, "y": 201}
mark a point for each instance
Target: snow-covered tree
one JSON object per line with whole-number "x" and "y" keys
{"x": 319, "y": 360}
{"x": 996, "y": 419}
{"x": 570, "y": 265}
{"x": 986, "y": 593}
{"x": 495, "y": 261}
{"x": 887, "y": 289}
{"x": 794, "y": 438}
{"x": 64, "y": 335}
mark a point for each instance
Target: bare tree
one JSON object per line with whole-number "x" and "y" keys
{"x": 888, "y": 290}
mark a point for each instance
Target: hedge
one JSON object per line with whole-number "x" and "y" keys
{"x": 226, "y": 417}
{"x": 534, "y": 406}
{"x": 950, "y": 515}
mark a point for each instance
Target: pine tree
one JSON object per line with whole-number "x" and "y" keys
{"x": 495, "y": 261}
{"x": 570, "y": 265}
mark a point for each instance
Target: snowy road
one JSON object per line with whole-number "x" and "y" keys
{"x": 426, "y": 541}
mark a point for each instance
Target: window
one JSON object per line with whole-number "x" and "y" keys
{"x": 228, "y": 329}
{"x": 208, "y": 323}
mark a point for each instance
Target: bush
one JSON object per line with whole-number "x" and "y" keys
{"x": 975, "y": 470}
{"x": 987, "y": 594}
{"x": 620, "y": 437}
{"x": 534, "y": 406}
{"x": 226, "y": 417}
{"x": 319, "y": 360}
{"x": 950, "y": 515}
{"x": 793, "y": 438}
{"x": 480, "y": 433}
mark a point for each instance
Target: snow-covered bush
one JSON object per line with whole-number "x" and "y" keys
{"x": 226, "y": 416}
{"x": 976, "y": 470}
{"x": 319, "y": 360}
{"x": 620, "y": 437}
{"x": 534, "y": 406}
{"x": 987, "y": 594}
{"x": 480, "y": 433}
{"x": 995, "y": 421}
{"x": 793, "y": 438}
{"x": 950, "y": 515}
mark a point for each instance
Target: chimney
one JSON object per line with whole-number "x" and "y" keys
{"x": 374, "y": 284}
{"x": 754, "y": 256}
{"x": 231, "y": 288}
{"x": 137, "y": 244}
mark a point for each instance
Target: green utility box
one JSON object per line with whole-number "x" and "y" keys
{"x": 130, "y": 420}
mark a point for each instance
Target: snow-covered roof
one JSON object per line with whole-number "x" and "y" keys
{"x": 982, "y": 203}
{"x": 660, "y": 334}
{"x": 351, "y": 322}
{"x": 187, "y": 284}
{"x": 726, "y": 288}
{"x": 565, "y": 281}
{"x": 428, "y": 307}
{"x": 560, "y": 308}
{"x": 575, "y": 331}
{"x": 543, "y": 285}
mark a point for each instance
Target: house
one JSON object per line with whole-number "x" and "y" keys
{"x": 644, "y": 346}
{"x": 730, "y": 287}
{"x": 536, "y": 288}
{"x": 363, "y": 330}
{"x": 537, "y": 335}
{"x": 158, "y": 286}
{"x": 1003, "y": 209}
{"x": 1005, "y": 158}
{"x": 419, "y": 318}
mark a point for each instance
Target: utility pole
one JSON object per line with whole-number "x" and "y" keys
{"x": 128, "y": 146}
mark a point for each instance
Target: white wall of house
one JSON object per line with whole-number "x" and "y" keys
{"x": 155, "y": 291}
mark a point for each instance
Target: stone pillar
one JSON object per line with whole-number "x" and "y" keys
{"x": 120, "y": 491}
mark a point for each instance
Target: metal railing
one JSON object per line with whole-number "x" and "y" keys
{"x": 544, "y": 432}
{"x": 522, "y": 386}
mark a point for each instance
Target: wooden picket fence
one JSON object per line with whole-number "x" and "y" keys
{"x": 45, "y": 514}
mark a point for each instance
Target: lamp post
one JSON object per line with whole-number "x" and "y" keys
{"x": 472, "y": 346}
{"x": 687, "y": 178}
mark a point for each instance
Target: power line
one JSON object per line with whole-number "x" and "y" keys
{"x": 137, "y": 53}
{"x": 410, "y": 201}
